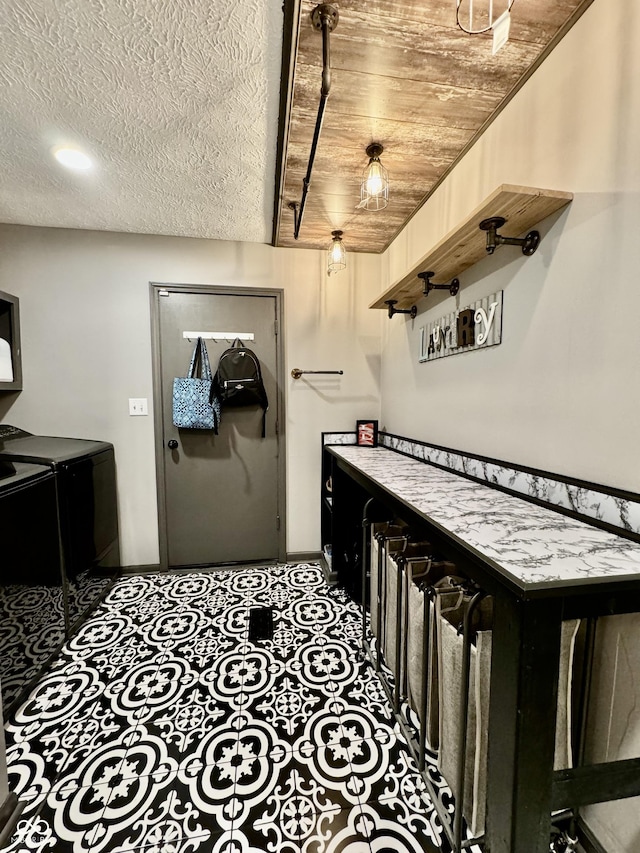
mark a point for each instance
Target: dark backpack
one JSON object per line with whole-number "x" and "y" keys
{"x": 238, "y": 380}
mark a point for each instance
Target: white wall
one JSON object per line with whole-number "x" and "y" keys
{"x": 86, "y": 348}
{"x": 561, "y": 392}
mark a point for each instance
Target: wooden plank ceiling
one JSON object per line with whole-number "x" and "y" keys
{"x": 405, "y": 76}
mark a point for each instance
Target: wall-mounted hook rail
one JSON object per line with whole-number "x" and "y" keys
{"x": 219, "y": 336}
{"x": 296, "y": 373}
{"x": 529, "y": 243}
{"x": 453, "y": 287}
{"x": 411, "y": 311}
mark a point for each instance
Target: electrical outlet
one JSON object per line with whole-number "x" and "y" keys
{"x": 138, "y": 406}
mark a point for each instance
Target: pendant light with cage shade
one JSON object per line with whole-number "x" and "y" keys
{"x": 480, "y": 16}
{"x": 337, "y": 256}
{"x": 374, "y": 189}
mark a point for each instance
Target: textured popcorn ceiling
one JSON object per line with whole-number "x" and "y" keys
{"x": 176, "y": 102}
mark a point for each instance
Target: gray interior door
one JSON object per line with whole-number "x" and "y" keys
{"x": 221, "y": 492}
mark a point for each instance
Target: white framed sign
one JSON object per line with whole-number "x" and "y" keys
{"x": 476, "y": 326}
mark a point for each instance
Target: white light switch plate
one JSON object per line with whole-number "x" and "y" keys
{"x": 138, "y": 406}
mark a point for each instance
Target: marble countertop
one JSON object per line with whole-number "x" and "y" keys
{"x": 531, "y": 544}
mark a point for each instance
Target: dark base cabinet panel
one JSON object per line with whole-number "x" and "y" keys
{"x": 59, "y": 553}
{"x": 32, "y": 601}
{"x": 349, "y": 500}
{"x": 29, "y": 540}
{"x": 88, "y": 511}
{"x": 89, "y": 522}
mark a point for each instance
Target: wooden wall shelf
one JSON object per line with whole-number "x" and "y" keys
{"x": 522, "y": 207}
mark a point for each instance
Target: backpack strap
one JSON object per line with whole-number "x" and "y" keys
{"x": 265, "y": 400}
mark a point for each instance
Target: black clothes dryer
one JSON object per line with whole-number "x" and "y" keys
{"x": 85, "y": 477}
{"x": 32, "y": 599}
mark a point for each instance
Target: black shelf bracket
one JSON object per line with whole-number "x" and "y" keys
{"x": 453, "y": 287}
{"x": 392, "y": 310}
{"x": 529, "y": 243}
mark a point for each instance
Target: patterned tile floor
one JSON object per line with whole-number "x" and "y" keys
{"x": 162, "y": 728}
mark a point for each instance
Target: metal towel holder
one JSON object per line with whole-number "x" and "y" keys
{"x": 296, "y": 373}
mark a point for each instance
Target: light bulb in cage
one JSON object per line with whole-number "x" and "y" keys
{"x": 337, "y": 255}
{"x": 374, "y": 189}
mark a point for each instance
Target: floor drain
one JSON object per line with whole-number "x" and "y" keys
{"x": 261, "y": 623}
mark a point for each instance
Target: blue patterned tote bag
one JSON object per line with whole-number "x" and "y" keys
{"x": 195, "y": 403}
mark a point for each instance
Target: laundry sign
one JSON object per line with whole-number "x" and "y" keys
{"x": 477, "y": 326}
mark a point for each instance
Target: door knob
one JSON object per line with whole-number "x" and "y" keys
{"x": 172, "y": 444}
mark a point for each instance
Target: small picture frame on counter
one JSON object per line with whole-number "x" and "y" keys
{"x": 367, "y": 433}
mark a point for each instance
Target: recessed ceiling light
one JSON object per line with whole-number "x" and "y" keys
{"x": 72, "y": 158}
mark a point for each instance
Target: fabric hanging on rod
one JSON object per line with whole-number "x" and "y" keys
{"x": 450, "y": 652}
{"x": 449, "y": 615}
{"x": 396, "y": 617}
{"x": 420, "y": 673}
{"x": 390, "y": 598}
{"x": 384, "y": 530}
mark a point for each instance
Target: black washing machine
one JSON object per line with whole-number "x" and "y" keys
{"x": 85, "y": 477}
{"x": 32, "y": 596}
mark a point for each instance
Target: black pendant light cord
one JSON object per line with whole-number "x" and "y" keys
{"x": 324, "y": 18}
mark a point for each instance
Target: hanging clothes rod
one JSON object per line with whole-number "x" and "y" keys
{"x": 219, "y": 336}
{"x": 296, "y": 373}
{"x": 325, "y": 18}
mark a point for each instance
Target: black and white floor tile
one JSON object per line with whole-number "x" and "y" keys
{"x": 32, "y": 628}
{"x": 162, "y": 728}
